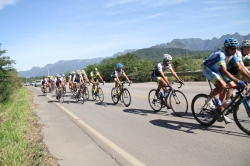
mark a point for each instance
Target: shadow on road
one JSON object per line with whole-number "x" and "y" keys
{"x": 143, "y": 111}
{"x": 191, "y": 127}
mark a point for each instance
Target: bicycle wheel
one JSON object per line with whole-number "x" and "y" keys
{"x": 100, "y": 94}
{"x": 77, "y": 96}
{"x": 62, "y": 97}
{"x": 178, "y": 102}
{"x": 93, "y": 95}
{"x": 126, "y": 98}
{"x": 201, "y": 112}
{"x": 114, "y": 95}
{"x": 154, "y": 102}
{"x": 241, "y": 118}
{"x": 85, "y": 93}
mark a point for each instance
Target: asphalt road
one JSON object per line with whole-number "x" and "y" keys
{"x": 135, "y": 135}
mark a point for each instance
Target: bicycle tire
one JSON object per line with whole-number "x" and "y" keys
{"x": 206, "y": 116}
{"x": 77, "y": 96}
{"x": 100, "y": 94}
{"x": 154, "y": 102}
{"x": 114, "y": 95}
{"x": 126, "y": 95}
{"x": 62, "y": 97}
{"x": 85, "y": 93}
{"x": 241, "y": 118}
{"x": 178, "y": 103}
{"x": 93, "y": 95}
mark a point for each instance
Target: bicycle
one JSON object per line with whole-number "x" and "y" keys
{"x": 78, "y": 93}
{"x": 85, "y": 91}
{"x": 207, "y": 116}
{"x": 123, "y": 95}
{"x": 177, "y": 100}
{"x": 44, "y": 90}
{"x": 97, "y": 92}
{"x": 60, "y": 95}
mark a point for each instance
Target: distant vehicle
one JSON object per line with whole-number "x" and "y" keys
{"x": 38, "y": 83}
{"x": 26, "y": 84}
{"x": 33, "y": 83}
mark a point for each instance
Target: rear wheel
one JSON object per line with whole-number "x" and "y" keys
{"x": 100, "y": 94}
{"x": 201, "y": 112}
{"x": 126, "y": 97}
{"x": 114, "y": 95}
{"x": 154, "y": 101}
{"x": 178, "y": 103}
{"x": 85, "y": 93}
{"x": 241, "y": 117}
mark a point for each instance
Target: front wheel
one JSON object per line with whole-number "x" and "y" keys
{"x": 201, "y": 112}
{"x": 241, "y": 117}
{"x": 154, "y": 101}
{"x": 178, "y": 103}
{"x": 126, "y": 97}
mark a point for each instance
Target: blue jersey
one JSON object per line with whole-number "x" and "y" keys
{"x": 215, "y": 60}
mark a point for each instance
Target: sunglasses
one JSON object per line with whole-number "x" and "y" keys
{"x": 232, "y": 48}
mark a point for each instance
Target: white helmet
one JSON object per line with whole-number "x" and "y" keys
{"x": 167, "y": 57}
{"x": 245, "y": 43}
{"x": 79, "y": 71}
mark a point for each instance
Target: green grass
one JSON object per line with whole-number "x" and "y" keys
{"x": 20, "y": 138}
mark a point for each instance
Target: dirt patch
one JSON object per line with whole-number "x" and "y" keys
{"x": 40, "y": 155}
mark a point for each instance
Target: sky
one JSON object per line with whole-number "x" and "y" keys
{"x": 41, "y": 32}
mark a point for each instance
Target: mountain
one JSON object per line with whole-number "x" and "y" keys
{"x": 59, "y": 67}
{"x": 214, "y": 44}
{"x": 190, "y": 46}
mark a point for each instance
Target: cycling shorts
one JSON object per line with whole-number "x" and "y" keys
{"x": 211, "y": 75}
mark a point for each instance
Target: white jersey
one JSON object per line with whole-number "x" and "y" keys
{"x": 160, "y": 67}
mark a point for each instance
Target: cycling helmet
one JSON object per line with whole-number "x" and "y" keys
{"x": 83, "y": 72}
{"x": 48, "y": 76}
{"x": 245, "y": 43}
{"x": 70, "y": 73}
{"x": 95, "y": 70}
{"x": 79, "y": 71}
{"x": 73, "y": 72}
{"x": 231, "y": 42}
{"x": 63, "y": 75}
{"x": 58, "y": 75}
{"x": 167, "y": 57}
{"x": 119, "y": 65}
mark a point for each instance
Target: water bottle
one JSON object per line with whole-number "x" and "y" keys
{"x": 166, "y": 93}
{"x": 218, "y": 102}
{"x": 162, "y": 94}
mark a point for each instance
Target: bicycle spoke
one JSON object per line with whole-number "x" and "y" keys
{"x": 154, "y": 102}
{"x": 126, "y": 97}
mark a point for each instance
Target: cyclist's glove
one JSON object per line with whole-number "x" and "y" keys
{"x": 241, "y": 83}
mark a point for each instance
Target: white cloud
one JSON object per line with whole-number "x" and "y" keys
{"x": 4, "y": 3}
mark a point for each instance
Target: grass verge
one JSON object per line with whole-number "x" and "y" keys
{"x": 21, "y": 139}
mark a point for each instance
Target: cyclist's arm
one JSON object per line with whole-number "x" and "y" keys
{"x": 175, "y": 75}
{"x": 226, "y": 73}
{"x": 126, "y": 77}
{"x": 100, "y": 77}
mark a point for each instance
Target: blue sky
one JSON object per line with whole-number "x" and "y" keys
{"x": 40, "y": 32}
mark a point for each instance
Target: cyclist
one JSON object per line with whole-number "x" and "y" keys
{"x": 235, "y": 66}
{"x": 71, "y": 80}
{"x": 118, "y": 73}
{"x": 58, "y": 84}
{"x": 158, "y": 75}
{"x": 64, "y": 82}
{"x": 214, "y": 67}
{"x": 43, "y": 83}
{"x": 94, "y": 74}
{"x": 77, "y": 82}
{"x": 245, "y": 46}
{"x": 84, "y": 76}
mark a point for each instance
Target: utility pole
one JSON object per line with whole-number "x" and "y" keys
{"x": 48, "y": 71}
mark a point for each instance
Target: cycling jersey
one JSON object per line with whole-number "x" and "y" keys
{"x": 246, "y": 60}
{"x": 58, "y": 82}
{"x": 94, "y": 75}
{"x": 160, "y": 67}
{"x": 116, "y": 72}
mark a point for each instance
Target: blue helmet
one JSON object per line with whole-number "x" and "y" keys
{"x": 63, "y": 75}
{"x": 70, "y": 73}
{"x": 231, "y": 42}
{"x": 119, "y": 65}
{"x": 95, "y": 70}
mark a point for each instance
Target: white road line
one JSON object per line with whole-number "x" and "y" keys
{"x": 112, "y": 145}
